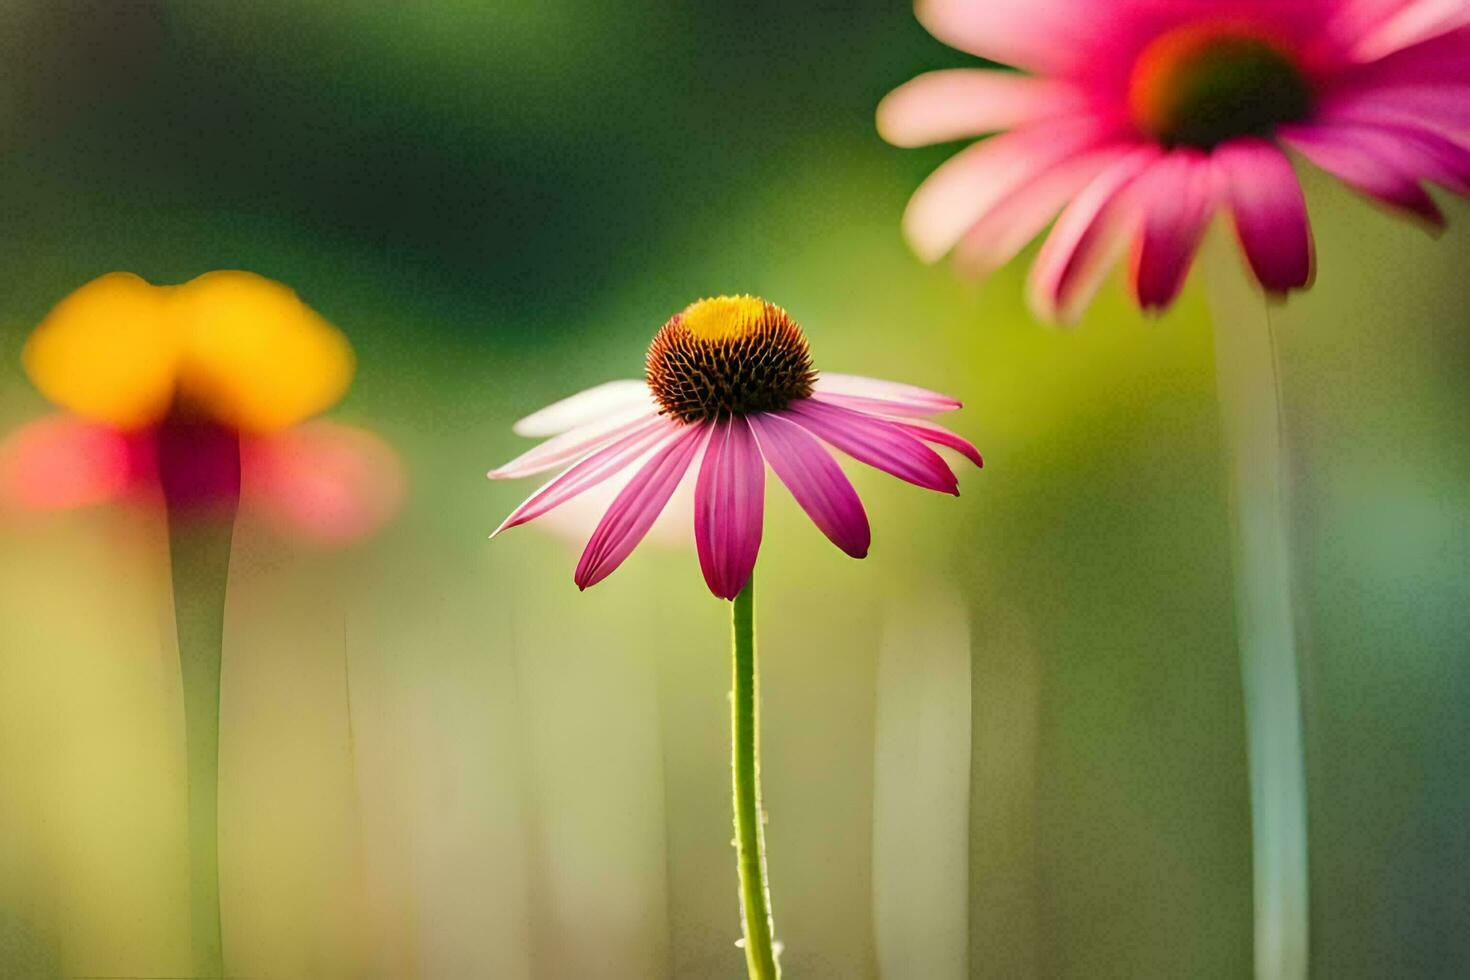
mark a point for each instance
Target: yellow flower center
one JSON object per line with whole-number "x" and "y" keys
{"x": 1202, "y": 84}
{"x": 731, "y": 355}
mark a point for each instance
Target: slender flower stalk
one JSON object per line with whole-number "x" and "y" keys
{"x": 757, "y": 925}
{"x": 1248, "y": 375}
{"x": 729, "y": 388}
{"x": 199, "y": 475}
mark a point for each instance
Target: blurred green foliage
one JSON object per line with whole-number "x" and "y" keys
{"x": 441, "y": 760}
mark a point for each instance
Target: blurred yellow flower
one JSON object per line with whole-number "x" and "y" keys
{"x": 237, "y": 347}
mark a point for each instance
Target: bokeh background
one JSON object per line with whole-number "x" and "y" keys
{"x": 1010, "y": 744}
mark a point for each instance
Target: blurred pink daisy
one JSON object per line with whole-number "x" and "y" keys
{"x": 729, "y": 388}
{"x": 1137, "y": 119}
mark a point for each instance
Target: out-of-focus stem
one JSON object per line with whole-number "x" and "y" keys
{"x": 1250, "y": 403}
{"x": 750, "y": 837}
{"x": 199, "y": 468}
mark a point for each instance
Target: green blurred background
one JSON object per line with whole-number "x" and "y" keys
{"x": 1009, "y": 744}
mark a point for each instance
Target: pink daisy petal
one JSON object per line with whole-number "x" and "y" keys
{"x": 878, "y": 442}
{"x": 638, "y": 506}
{"x": 815, "y": 480}
{"x": 981, "y": 177}
{"x": 1085, "y": 241}
{"x": 575, "y": 443}
{"x": 1038, "y": 35}
{"x": 999, "y": 237}
{"x": 944, "y": 105}
{"x": 1436, "y": 108}
{"x": 588, "y": 472}
{"x": 897, "y": 398}
{"x": 1270, "y": 213}
{"x": 322, "y": 482}
{"x": 729, "y": 502}
{"x": 1440, "y": 60}
{"x": 584, "y": 407}
{"x": 1388, "y": 173}
{"x": 1177, "y": 196}
{"x": 940, "y": 436}
{"x": 1412, "y": 23}
{"x": 58, "y": 462}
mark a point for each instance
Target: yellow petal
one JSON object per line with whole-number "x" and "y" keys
{"x": 254, "y": 356}
{"x": 108, "y": 352}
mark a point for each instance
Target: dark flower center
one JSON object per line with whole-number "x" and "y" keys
{"x": 731, "y": 355}
{"x": 1201, "y": 85}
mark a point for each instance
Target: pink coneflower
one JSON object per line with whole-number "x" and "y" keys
{"x": 1137, "y": 119}
{"x": 729, "y": 388}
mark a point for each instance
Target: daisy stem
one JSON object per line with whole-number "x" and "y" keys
{"x": 199, "y": 558}
{"x": 750, "y": 836}
{"x": 1247, "y": 373}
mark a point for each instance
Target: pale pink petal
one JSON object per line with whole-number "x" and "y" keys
{"x": 981, "y": 177}
{"x": 1389, "y": 172}
{"x": 575, "y": 520}
{"x": 958, "y": 102}
{"x": 1411, "y": 24}
{"x": 878, "y": 442}
{"x": 899, "y": 398}
{"x": 999, "y": 236}
{"x": 591, "y": 405}
{"x": 1270, "y": 214}
{"x": 59, "y": 462}
{"x": 729, "y": 504}
{"x": 575, "y": 443}
{"x": 1085, "y": 242}
{"x": 322, "y": 482}
{"x": 590, "y": 471}
{"x": 940, "y": 436}
{"x": 1177, "y": 196}
{"x": 638, "y": 506}
{"x": 1040, "y": 35}
{"x": 815, "y": 480}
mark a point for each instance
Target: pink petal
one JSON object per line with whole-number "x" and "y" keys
{"x": 322, "y": 482}
{"x": 815, "y": 480}
{"x": 575, "y": 443}
{"x": 58, "y": 462}
{"x": 1085, "y": 241}
{"x": 1040, "y": 35}
{"x": 981, "y": 177}
{"x": 1433, "y": 107}
{"x": 1439, "y": 60}
{"x": 1411, "y": 24}
{"x": 589, "y": 471}
{"x": 1385, "y": 170}
{"x": 898, "y": 398}
{"x": 878, "y": 442}
{"x": 1177, "y": 196}
{"x": 959, "y": 102}
{"x": 1270, "y": 213}
{"x": 587, "y": 406}
{"x": 940, "y": 436}
{"x": 729, "y": 504}
{"x": 999, "y": 236}
{"x": 638, "y": 506}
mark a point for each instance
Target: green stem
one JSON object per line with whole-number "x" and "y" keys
{"x": 1251, "y": 411}
{"x": 199, "y": 468}
{"x": 750, "y": 835}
